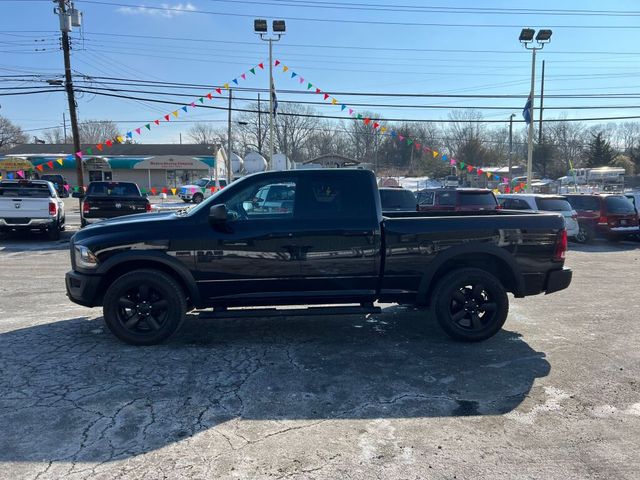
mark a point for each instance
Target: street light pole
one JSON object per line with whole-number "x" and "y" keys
{"x": 278, "y": 28}
{"x": 526, "y": 38}
{"x": 530, "y": 134}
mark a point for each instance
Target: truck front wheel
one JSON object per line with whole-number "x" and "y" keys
{"x": 470, "y": 304}
{"x": 144, "y": 307}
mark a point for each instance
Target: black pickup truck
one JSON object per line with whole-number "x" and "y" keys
{"x": 328, "y": 244}
{"x": 109, "y": 200}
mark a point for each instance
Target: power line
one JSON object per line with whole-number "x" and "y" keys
{"x": 351, "y": 21}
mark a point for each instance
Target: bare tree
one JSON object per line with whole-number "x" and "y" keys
{"x": 570, "y": 142}
{"x": 10, "y": 134}
{"x": 204, "y": 133}
{"x": 56, "y": 135}
{"x": 293, "y": 127}
{"x": 97, "y": 131}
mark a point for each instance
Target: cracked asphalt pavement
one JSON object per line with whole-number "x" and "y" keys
{"x": 556, "y": 394}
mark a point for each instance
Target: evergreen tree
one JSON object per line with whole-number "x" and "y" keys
{"x": 600, "y": 153}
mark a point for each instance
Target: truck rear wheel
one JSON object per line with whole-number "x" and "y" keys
{"x": 144, "y": 307}
{"x": 198, "y": 197}
{"x": 470, "y": 304}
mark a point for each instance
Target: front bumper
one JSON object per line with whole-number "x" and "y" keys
{"x": 185, "y": 196}
{"x": 83, "y": 289}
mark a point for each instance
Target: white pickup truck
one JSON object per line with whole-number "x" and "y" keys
{"x": 31, "y": 205}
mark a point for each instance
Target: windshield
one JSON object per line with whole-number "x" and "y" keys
{"x": 477, "y": 198}
{"x": 116, "y": 189}
{"x": 553, "y": 204}
{"x": 619, "y": 205}
{"x": 398, "y": 199}
{"x": 201, "y": 183}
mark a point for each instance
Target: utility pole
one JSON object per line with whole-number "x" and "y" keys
{"x": 540, "y": 137}
{"x": 65, "y": 13}
{"x": 259, "y": 127}
{"x": 64, "y": 127}
{"x": 510, "y": 146}
{"x": 228, "y": 163}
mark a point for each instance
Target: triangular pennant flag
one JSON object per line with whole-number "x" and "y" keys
{"x": 462, "y": 164}
{"x": 203, "y": 190}
{"x": 20, "y": 173}
{"x": 293, "y": 74}
{"x": 157, "y": 122}
{"x": 210, "y": 97}
{"x": 89, "y": 151}
{"x": 435, "y": 153}
{"x": 213, "y": 189}
{"x": 350, "y": 112}
{"x": 309, "y": 86}
{"x": 66, "y": 187}
{"x": 252, "y": 70}
{"x": 480, "y": 171}
{"x": 469, "y": 168}
{"x": 184, "y": 108}
{"x": 99, "y": 146}
{"x": 496, "y": 177}
{"x": 342, "y": 107}
{"x": 59, "y": 160}
{"x": 444, "y": 157}
{"x": 301, "y": 80}
{"x": 148, "y": 125}
{"x": 261, "y": 65}
{"x": 383, "y": 129}
{"x": 108, "y": 143}
{"x": 166, "y": 117}
{"x": 488, "y": 174}
{"x": 69, "y": 157}
{"x": 334, "y": 101}
{"x": 175, "y": 113}
{"x": 201, "y": 99}
{"x": 359, "y": 116}
{"x": 129, "y": 135}
{"x": 452, "y": 162}
{"x": 318, "y": 90}
{"x": 393, "y": 133}
{"x": 277, "y": 62}
{"x": 409, "y": 141}
{"x": 235, "y": 80}
{"x": 164, "y": 190}
{"x": 244, "y": 76}
{"x": 284, "y": 69}
{"x": 39, "y": 167}
{"x": 193, "y": 104}
{"x": 326, "y": 95}
{"x": 376, "y": 124}
{"x": 219, "y": 92}
{"x": 367, "y": 120}
{"x": 417, "y": 146}
{"x": 50, "y": 165}
{"x": 226, "y": 86}
{"x": 400, "y": 137}
{"x": 173, "y": 191}
{"x": 120, "y": 139}
{"x": 153, "y": 190}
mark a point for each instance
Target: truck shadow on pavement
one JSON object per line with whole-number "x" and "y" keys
{"x": 71, "y": 392}
{"x": 33, "y": 241}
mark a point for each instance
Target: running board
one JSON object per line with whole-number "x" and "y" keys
{"x": 287, "y": 312}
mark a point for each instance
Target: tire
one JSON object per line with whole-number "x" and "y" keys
{"x": 128, "y": 307}
{"x": 585, "y": 235}
{"x": 186, "y": 201}
{"x": 198, "y": 197}
{"x": 470, "y": 304}
{"x": 53, "y": 232}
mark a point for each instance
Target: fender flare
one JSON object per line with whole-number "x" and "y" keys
{"x": 156, "y": 256}
{"x": 471, "y": 248}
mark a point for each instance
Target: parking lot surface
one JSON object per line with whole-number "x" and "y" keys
{"x": 554, "y": 395}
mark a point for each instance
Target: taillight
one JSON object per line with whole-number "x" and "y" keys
{"x": 85, "y": 207}
{"x": 147, "y": 207}
{"x": 499, "y": 207}
{"x": 53, "y": 209}
{"x": 561, "y": 246}
{"x": 603, "y": 220}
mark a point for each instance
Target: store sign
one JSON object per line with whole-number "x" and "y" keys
{"x": 15, "y": 164}
{"x": 171, "y": 163}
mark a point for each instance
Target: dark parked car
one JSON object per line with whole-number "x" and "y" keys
{"x": 611, "y": 216}
{"x": 334, "y": 246}
{"x": 456, "y": 200}
{"x": 59, "y": 183}
{"x": 395, "y": 199}
{"x": 109, "y": 200}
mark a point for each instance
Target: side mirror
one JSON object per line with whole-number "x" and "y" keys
{"x": 77, "y": 195}
{"x": 218, "y": 213}
{"x": 247, "y": 206}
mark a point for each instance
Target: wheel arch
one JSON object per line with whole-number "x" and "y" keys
{"x": 492, "y": 259}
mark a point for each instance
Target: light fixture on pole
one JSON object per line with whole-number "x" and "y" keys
{"x": 278, "y": 28}
{"x": 526, "y": 38}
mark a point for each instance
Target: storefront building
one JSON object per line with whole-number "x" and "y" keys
{"x": 148, "y": 165}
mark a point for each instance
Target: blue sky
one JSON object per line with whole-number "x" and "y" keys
{"x": 387, "y": 55}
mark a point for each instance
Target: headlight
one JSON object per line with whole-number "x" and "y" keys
{"x": 85, "y": 258}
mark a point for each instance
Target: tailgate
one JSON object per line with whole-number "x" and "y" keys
{"x": 109, "y": 207}
{"x": 24, "y": 207}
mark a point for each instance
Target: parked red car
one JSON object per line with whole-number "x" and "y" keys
{"x": 607, "y": 215}
{"x": 456, "y": 199}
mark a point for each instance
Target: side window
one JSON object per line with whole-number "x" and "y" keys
{"x": 515, "y": 204}
{"x": 330, "y": 197}
{"x": 425, "y": 198}
{"x": 446, "y": 198}
{"x": 254, "y": 201}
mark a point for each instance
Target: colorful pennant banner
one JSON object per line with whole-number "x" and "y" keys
{"x": 418, "y": 145}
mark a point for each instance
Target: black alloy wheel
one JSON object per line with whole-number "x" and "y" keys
{"x": 197, "y": 198}
{"x": 470, "y": 304}
{"x": 584, "y": 235}
{"x": 144, "y": 307}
